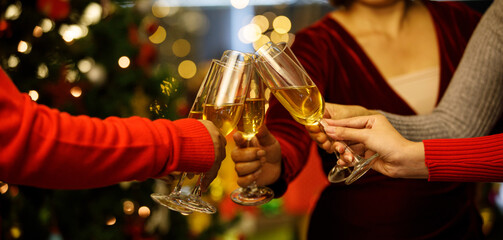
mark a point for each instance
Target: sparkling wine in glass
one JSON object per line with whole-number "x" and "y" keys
{"x": 176, "y": 200}
{"x": 294, "y": 89}
{"x": 251, "y": 120}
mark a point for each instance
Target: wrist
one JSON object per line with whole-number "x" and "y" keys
{"x": 415, "y": 166}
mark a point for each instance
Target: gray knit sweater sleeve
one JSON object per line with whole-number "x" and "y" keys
{"x": 473, "y": 101}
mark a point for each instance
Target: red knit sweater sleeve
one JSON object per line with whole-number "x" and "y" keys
{"x": 43, "y": 147}
{"x": 465, "y": 160}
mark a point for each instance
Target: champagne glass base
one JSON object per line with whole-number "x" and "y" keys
{"x": 198, "y": 205}
{"x": 339, "y": 174}
{"x": 361, "y": 169}
{"x": 172, "y": 201}
{"x": 252, "y": 197}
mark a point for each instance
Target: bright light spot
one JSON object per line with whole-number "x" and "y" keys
{"x": 261, "y": 21}
{"x": 187, "y": 69}
{"x": 144, "y": 211}
{"x": 72, "y": 76}
{"x": 160, "y": 11}
{"x": 128, "y": 207}
{"x": 239, "y": 4}
{"x": 15, "y": 232}
{"x": 13, "y": 11}
{"x": 76, "y": 91}
{"x": 261, "y": 41}
{"x": 159, "y": 36}
{"x": 249, "y": 33}
{"x": 124, "y": 62}
{"x": 277, "y": 37}
{"x": 181, "y": 48}
{"x": 37, "y": 31}
{"x": 85, "y": 65}
{"x": 282, "y": 24}
{"x": 42, "y": 71}
{"x": 46, "y": 24}
{"x": 92, "y": 14}
{"x": 97, "y": 74}
{"x": 4, "y": 187}
{"x": 195, "y": 22}
{"x": 13, "y": 61}
{"x": 72, "y": 32}
{"x": 23, "y": 47}
{"x": 33, "y": 95}
{"x": 111, "y": 221}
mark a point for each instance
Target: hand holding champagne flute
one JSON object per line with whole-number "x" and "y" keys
{"x": 295, "y": 90}
{"x": 251, "y": 120}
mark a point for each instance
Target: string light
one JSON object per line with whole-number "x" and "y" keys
{"x": 33, "y": 95}
{"x": 76, "y": 91}
{"x": 124, "y": 62}
{"x": 181, "y": 48}
{"x": 128, "y": 207}
{"x": 187, "y": 69}
{"x": 42, "y": 71}
{"x": 240, "y": 4}
{"x": 23, "y": 47}
{"x": 13, "y": 61}
{"x": 144, "y": 211}
{"x": 111, "y": 221}
{"x": 282, "y": 24}
{"x": 13, "y": 11}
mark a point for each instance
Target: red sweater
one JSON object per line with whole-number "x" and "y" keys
{"x": 465, "y": 160}
{"x": 43, "y": 147}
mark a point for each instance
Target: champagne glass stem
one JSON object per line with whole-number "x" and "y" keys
{"x": 197, "y": 189}
{"x": 338, "y": 173}
{"x": 178, "y": 187}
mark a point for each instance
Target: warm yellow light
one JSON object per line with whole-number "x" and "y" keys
{"x": 42, "y": 71}
{"x": 37, "y": 31}
{"x": 240, "y": 4}
{"x": 187, "y": 69}
{"x": 249, "y": 33}
{"x": 92, "y": 14}
{"x": 124, "y": 62}
{"x": 33, "y": 95}
{"x": 159, "y": 35}
{"x": 4, "y": 187}
{"x": 13, "y": 11}
{"x": 261, "y": 41}
{"x": 72, "y": 76}
{"x": 278, "y": 37}
{"x": 85, "y": 65}
{"x": 261, "y": 21}
{"x": 144, "y": 211}
{"x": 23, "y": 46}
{"x": 76, "y": 91}
{"x": 13, "y": 61}
{"x": 282, "y": 24}
{"x": 111, "y": 221}
{"x": 159, "y": 10}
{"x": 181, "y": 48}
{"x": 15, "y": 232}
{"x": 46, "y": 24}
{"x": 128, "y": 207}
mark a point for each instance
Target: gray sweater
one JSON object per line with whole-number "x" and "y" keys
{"x": 473, "y": 102}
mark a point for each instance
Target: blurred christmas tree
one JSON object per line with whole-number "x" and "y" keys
{"x": 93, "y": 58}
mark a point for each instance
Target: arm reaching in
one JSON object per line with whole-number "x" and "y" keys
{"x": 399, "y": 157}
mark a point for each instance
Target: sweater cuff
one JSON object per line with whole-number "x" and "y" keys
{"x": 197, "y": 152}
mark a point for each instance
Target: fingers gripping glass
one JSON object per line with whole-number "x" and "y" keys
{"x": 176, "y": 200}
{"x": 251, "y": 120}
{"x": 295, "y": 90}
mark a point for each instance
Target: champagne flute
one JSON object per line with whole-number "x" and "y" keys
{"x": 294, "y": 89}
{"x": 251, "y": 120}
{"x": 176, "y": 201}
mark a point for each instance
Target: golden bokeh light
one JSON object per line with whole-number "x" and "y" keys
{"x": 76, "y": 91}
{"x": 33, "y": 95}
{"x": 72, "y": 75}
{"x": 159, "y": 35}
{"x": 4, "y": 187}
{"x": 261, "y": 41}
{"x": 37, "y": 31}
{"x": 13, "y": 61}
{"x": 15, "y": 232}
{"x": 278, "y": 37}
{"x": 159, "y": 10}
{"x": 181, "y": 47}
{"x": 249, "y": 33}
{"x": 92, "y": 14}
{"x": 13, "y": 11}
{"x": 240, "y": 4}
{"x": 128, "y": 207}
{"x": 85, "y": 65}
{"x": 23, "y": 47}
{"x": 261, "y": 21}
{"x": 46, "y": 24}
{"x": 144, "y": 211}
{"x": 111, "y": 221}
{"x": 187, "y": 69}
{"x": 42, "y": 71}
{"x": 282, "y": 24}
{"x": 124, "y": 62}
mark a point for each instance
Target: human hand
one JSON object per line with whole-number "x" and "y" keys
{"x": 258, "y": 160}
{"x": 399, "y": 157}
{"x": 219, "y": 144}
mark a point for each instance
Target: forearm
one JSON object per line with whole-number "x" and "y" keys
{"x": 473, "y": 101}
